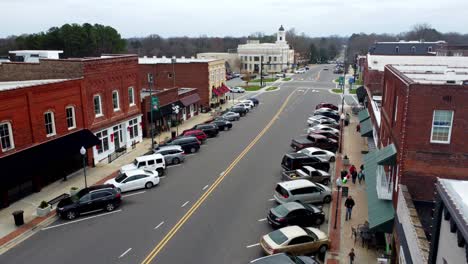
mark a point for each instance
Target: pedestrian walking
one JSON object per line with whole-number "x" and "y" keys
{"x": 352, "y": 169}
{"x": 349, "y": 204}
{"x": 358, "y": 128}
{"x": 343, "y": 174}
{"x": 354, "y": 176}
{"x": 362, "y": 166}
{"x": 351, "y": 256}
{"x": 361, "y": 176}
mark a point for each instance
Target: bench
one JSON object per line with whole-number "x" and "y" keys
{"x": 58, "y": 198}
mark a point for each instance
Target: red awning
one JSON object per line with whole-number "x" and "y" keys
{"x": 191, "y": 99}
{"x": 225, "y": 88}
{"x": 216, "y": 92}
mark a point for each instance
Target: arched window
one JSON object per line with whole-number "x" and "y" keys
{"x": 6, "y": 136}
{"x": 115, "y": 100}
{"x": 429, "y": 49}
{"x": 49, "y": 123}
{"x": 71, "y": 120}
{"x": 97, "y": 105}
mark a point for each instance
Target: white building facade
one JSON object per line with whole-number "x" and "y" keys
{"x": 276, "y": 57}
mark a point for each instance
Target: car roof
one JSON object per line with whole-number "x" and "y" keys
{"x": 311, "y": 149}
{"x": 310, "y": 168}
{"x": 194, "y": 131}
{"x": 293, "y": 231}
{"x": 148, "y": 157}
{"x": 313, "y": 135}
{"x": 99, "y": 187}
{"x": 134, "y": 172}
{"x": 168, "y": 147}
{"x": 291, "y": 206}
{"x": 294, "y": 184}
{"x": 297, "y": 155}
{"x": 274, "y": 259}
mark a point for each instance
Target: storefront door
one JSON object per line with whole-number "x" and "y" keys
{"x": 117, "y": 136}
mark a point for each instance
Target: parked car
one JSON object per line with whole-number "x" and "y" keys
{"x": 303, "y": 191}
{"x": 314, "y": 140}
{"x": 322, "y": 128}
{"x": 285, "y": 258}
{"x": 210, "y": 130}
{"x": 199, "y": 134}
{"x": 249, "y": 102}
{"x": 307, "y": 173}
{"x": 148, "y": 162}
{"x": 327, "y": 105}
{"x": 280, "y": 75}
{"x": 295, "y": 240}
{"x": 135, "y": 179}
{"x": 239, "y": 109}
{"x": 294, "y": 161}
{"x": 320, "y": 117}
{"x": 326, "y": 110}
{"x": 254, "y": 100}
{"x": 231, "y": 116}
{"x": 328, "y": 134}
{"x": 236, "y": 75}
{"x": 318, "y": 152}
{"x": 237, "y": 90}
{"x": 331, "y": 115}
{"x": 98, "y": 197}
{"x": 188, "y": 144}
{"x": 222, "y": 124}
{"x": 172, "y": 154}
{"x": 300, "y": 71}
{"x": 325, "y": 122}
{"x": 245, "y": 106}
{"x": 295, "y": 213}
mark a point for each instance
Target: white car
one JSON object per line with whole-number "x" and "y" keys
{"x": 249, "y": 102}
{"x": 319, "y": 119}
{"x": 318, "y": 152}
{"x": 245, "y": 106}
{"x": 135, "y": 179}
{"x": 300, "y": 71}
{"x": 147, "y": 162}
{"x": 280, "y": 75}
{"x": 237, "y": 90}
{"x": 322, "y": 128}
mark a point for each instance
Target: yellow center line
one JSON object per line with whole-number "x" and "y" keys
{"x": 196, "y": 205}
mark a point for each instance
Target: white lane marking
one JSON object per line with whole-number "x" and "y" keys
{"x": 185, "y": 203}
{"x": 206, "y": 186}
{"x": 126, "y": 251}
{"x": 191, "y": 154}
{"x": 272, "y": 199}
{"x": 261, "y": 220}
{"x": 162, "y": 177}
{"x": 175, "y": 165}
{"x": 160, "y": 224}
{"x": 253, "y": 245}
{"x": 222, "y": 173}
{"x": 131, "y": 194}
{"x": 79, "y": 220}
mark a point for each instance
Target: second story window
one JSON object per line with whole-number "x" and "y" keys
{"x": 397, "y": 49}
{"x": 71, "y": 121}
{"x": 413, "y": 49}
{"x": 441, "y": 126}
{"x": 115, "y": 100}
{"x": 49, "y": 123}
{"x": 131, "y": 96}
{"x": 97, "y": 105}
{"x": 6, "y": 136}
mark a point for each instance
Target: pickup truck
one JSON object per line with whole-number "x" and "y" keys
{"x": 307, "y": 173}
{"x": 314, "y": 140}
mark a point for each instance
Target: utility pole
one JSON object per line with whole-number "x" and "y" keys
{"x": 261, "y": 71}
{"x": 150, "y": 84}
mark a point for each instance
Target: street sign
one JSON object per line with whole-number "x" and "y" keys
{"x": 155, "y": 103}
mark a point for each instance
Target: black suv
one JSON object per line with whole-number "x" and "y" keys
{"x": 239, "y": 109}
{"x": 294, "y": 161}
{"x": 211, "y": 130}
{"x": 222, "y": 124}
{"x": 254, "y": 100}
{"x": 295, "y": 213}
{"x": 99, "y": 197}
{"x": 189, "y": 144}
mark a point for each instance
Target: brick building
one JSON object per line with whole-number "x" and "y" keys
{"x": 207, "y": 75}
{"x": 42, "y": 104}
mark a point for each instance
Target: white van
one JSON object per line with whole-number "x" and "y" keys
{"x": 149, "y": 162}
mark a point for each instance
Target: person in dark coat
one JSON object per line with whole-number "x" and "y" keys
{"x": 349, "y": 204}
{"x": 354, "y": 176}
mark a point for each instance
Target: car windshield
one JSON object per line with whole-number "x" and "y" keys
{"x": 135, "y": 162}
{"x": 78, "y": 195}
{"x": 278, "y": 237}
{"x": 120, "y": 177}
{"x": 148, "y": 171}
{"x": 296, "y": 259}
{"x": 310, "y": 233}
{"x": 280, "y": 210}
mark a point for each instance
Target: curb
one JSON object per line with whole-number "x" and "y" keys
{"x": 335, "y": 234}
{"x": 28, "y": 229}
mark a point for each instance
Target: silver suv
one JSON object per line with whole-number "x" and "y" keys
{"x": 172, "y": 154}
{"x": 303, "y": 191}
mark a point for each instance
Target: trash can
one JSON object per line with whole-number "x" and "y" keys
{"x": 19, "y": 219}
{"x": 173, "y": 134}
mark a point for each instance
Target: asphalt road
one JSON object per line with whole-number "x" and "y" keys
{"x": 234, "y": 175}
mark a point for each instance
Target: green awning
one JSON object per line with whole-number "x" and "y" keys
{"x": 380, "y": 212}
{"x": 363, "y": 115}
{"x": 387, "y": 155}
{"x": 366, "y": 128}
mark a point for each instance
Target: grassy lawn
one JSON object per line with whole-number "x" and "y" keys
{"x": 251, "y": 88}
{"x": 287, "y": 79}
{"x": 353, "y": 91}
{"x": 337, "y": 91}
{"x": 265, "y": 80}
{"x": 272, "y": 88}
{"x": 337, "y": 80}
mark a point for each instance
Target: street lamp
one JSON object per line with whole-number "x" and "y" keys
{"x": 150, "y": 84}
{"x": 175, "y": 109}
{"x": 338, "y": 187}
{"x": 83, "y": 154}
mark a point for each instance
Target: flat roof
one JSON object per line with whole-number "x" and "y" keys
{"x": 434, "y": 74}
{"x": 35, "y": 51}
{"x": 378, "y": 62}
{"x": 164, "y": 60}
{"x": 4, "y": 86}
{"x": 454, "y": 194}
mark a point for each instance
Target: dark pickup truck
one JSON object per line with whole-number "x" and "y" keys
{"x": 314, "y": 140}
{"x": 294, "y": 161}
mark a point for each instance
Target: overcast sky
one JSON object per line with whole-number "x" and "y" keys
{"x": 234, "y": 18}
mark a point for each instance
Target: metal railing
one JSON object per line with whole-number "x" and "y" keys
{"x": 119, "y": 152}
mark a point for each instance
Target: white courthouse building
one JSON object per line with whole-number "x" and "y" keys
{"x": 279, "y": 55}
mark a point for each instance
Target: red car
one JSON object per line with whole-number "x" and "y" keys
{"x": 327, "y": 105}
{"x": 328, "y": 134}
{"x": 200, "y": 135}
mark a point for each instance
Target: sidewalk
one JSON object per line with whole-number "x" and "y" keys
{"x": 95, "y": 175}
{"x": 352, "y": 146}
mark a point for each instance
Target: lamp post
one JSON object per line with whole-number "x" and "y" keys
{"x": 338, "y": 187}
{"x": 344, "y": 79}
{"x": 175, "y": 110}
{"x": 83, "y": 154}
{"x": 150, "y": 84}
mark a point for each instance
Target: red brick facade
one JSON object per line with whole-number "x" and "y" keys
{"x": 373, "y": 79}
{"x": 420, "y": 162}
